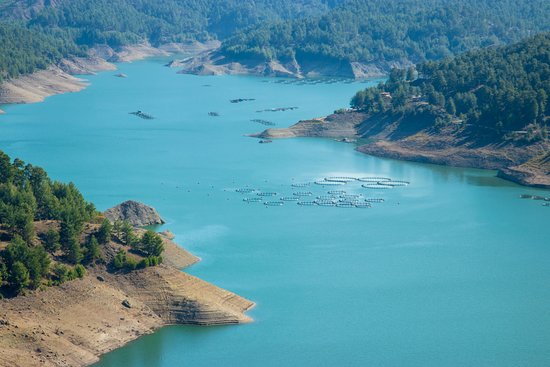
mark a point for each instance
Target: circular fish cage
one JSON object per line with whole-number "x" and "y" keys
{"x": 303, "y": 193}
{"x": 363, "y": 205}
{"x": 304, "y": 184}
{"x": 374, "y": 179}
{"x": 252, "y": 200}
{"x": 307, "y": 203}
{"x": 394, "y": 183}
{"x": 340, "y": 179}
{"x": 274, "y": 203}
{"x": 245, "y": 190}
{"x": 330, "y": 183}
{"x": 267, "y": 194}
{"x": 289, "y": 198}
{"x": 376, "y": 186}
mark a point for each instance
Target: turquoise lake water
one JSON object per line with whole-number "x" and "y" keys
{"x": 452, "y": 270}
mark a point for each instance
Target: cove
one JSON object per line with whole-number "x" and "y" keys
{"x": 451, "y": 270}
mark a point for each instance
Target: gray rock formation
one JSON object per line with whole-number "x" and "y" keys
{"x": 137, "y": 214}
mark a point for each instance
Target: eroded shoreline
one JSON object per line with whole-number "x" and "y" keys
{"x": 527, "y": 165}
{"x": 59, "y": 79}
{"x": 77, "y": 322}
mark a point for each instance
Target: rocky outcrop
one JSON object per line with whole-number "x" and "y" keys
{"x": 535, "y": 172}
{"x": 136, "y": 213}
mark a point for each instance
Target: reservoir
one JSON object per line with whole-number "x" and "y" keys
{"x": 449, "y": 270}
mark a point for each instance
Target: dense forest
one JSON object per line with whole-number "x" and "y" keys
{"x": 501, "y": 92}
{"x": 23, "y": 51}
{"x": 44, "y": 239}
{"x": 380, "y": 31}
{"x": 34, "y": 34}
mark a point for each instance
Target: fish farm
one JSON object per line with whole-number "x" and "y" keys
{"x": 239, "y": 100}
{"x": 142, "y": 115}
{"x": 355, "y": 196}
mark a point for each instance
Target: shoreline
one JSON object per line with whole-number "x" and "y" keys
{"x": 213, "y": 62}
{"x": 81, "y": 320}
{"x": 527, "y": 165}
{"x": 60, "y": 79}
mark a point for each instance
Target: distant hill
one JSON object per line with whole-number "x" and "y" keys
{"x": 37, "y": 33}
{"x": 389, "y": 33}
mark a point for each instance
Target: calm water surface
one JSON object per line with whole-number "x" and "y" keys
{"x": 453, "y": 270}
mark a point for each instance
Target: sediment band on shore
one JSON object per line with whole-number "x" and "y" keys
{"x": 526, "y": 164}
{"x": 75, "y": 323}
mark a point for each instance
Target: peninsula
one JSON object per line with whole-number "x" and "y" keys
{"x": 74, "y": 285}
{"x": 485, "y": 109}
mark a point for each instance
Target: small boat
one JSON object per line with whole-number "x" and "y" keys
{"x": 265, "y": 141}
{"x": 213, "y": 114}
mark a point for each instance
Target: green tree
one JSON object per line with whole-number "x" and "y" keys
{"x": 103, "y": 235}
{"x": 80, "y": 271}
{"x": 61, "y": 273}
{"x": 19, "y": 277}
{"x": 51, "y": 241}
{"x": 151, "y": 244}
{"x": 127, "y": 232}
{"x": 119, "y": 260}
{"x": 92, "y": 251}
{"x": 73, "y": 251}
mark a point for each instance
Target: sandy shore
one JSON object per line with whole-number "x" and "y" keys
{"x": 74, "y": 324}
{"x": 58, "y": 79}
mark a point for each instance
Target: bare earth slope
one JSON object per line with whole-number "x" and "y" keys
{"x": 527, "y": 164}
{"x": 213, "y": 62}
{"x": 73, "y": 324}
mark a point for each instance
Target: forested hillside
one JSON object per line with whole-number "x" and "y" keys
{"x": 48, "y": 235}
{"x": 23, "y": 50}
{"x": 36, "y": 33}
{"x": 380, "y": 31}
{"x": 500, "y": 92}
